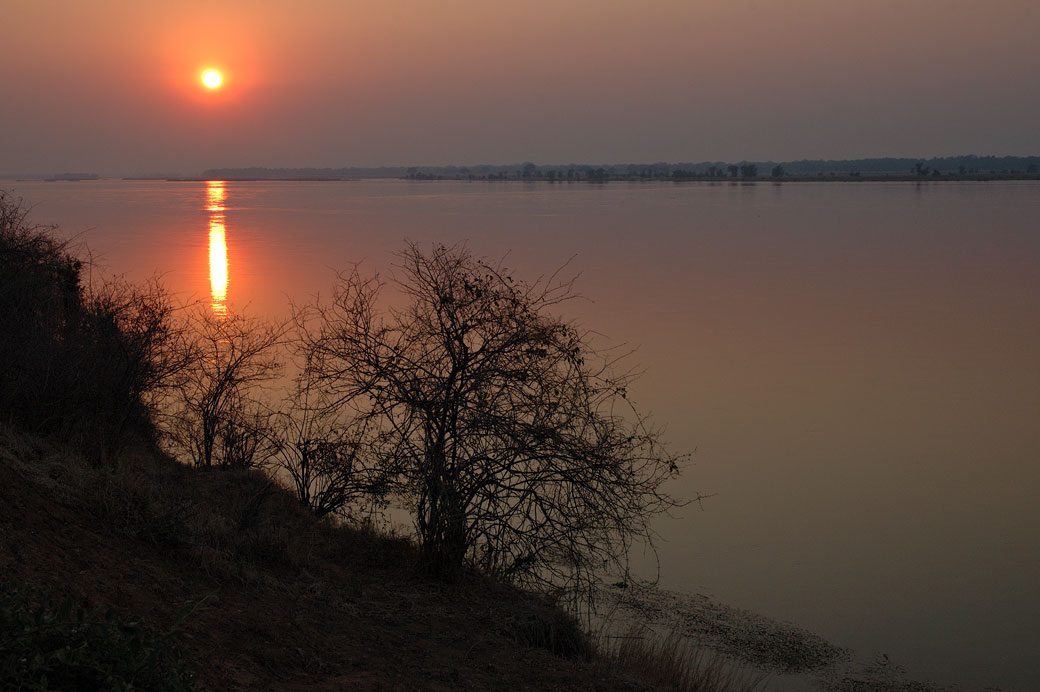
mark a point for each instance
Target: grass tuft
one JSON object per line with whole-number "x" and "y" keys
{"x": 673, "y": 662}
{"x": 552, "y": 629}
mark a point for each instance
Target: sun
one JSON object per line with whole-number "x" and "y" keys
{"x": 212, "y": 79}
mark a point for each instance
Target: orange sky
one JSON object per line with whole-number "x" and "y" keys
{"x": 112, "y": 86}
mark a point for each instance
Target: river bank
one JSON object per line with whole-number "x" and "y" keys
{"x": 794, "y": 658}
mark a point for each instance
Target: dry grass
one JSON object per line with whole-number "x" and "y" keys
{"x": 90, "y": 508}
{"x": 291, "y": 597}
{"x": 673, "y": 662}
{"x": 235, "y": 524}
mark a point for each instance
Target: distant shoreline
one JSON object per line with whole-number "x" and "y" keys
{"x": 818, "y": 178}
{"x": 978, "y": 178}
{"x": 737, "y": 181}
{"x": 231, "y": 179}
{"x": 960, "y": 168}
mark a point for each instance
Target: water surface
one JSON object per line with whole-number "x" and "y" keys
{"x": 854, "y": 364}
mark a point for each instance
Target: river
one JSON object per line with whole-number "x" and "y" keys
{"x": 855, "y": 367}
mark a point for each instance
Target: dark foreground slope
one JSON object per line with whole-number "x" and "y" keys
{"x": 276, "y": 599}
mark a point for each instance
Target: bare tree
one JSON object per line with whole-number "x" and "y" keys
{"x": 512, "y": 440}
{"x": 329, "y": 455}
{"x": 215, "y": 416}
{"x": 245, "y": 434}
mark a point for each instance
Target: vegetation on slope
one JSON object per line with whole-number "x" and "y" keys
{"x": 106, "y": 543}
{"x": 65, "y": 646}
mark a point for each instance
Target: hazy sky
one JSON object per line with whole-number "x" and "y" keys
{"x": 112, "y": 86}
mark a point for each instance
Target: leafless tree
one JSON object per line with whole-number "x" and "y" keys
{"x": 215, "y": 416}
{"x": 245, "y": 436}
{"x": 511, "y": 439}
{"x": 330, "y": 455}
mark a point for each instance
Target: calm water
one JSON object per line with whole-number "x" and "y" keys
{"x": 856, "y": 365}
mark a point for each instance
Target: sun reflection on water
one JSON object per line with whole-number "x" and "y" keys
{"x": 218, "y": 262}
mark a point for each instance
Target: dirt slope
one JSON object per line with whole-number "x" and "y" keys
{"x": 281, "y": 602}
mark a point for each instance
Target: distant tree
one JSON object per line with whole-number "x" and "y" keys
{"x": 749, "y": 170}
{"x": 509, "y": 442}
{"x": 778, "y": 171}
{"x": 733, "y": 170}
{"x": 529, "y": 170}
{"x": 920, "y": 169}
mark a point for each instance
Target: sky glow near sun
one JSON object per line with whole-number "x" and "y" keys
{"x": 469, "y": 82}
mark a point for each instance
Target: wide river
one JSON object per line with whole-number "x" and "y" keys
{"x": 856, "y": 365}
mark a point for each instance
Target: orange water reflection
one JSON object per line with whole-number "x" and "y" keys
{"x": 218, "y": 262}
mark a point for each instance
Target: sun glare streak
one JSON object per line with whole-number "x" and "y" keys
{"x": 215, "y": 195}
{"x": 218, "y": 262}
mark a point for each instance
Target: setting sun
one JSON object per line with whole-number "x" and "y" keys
{"x": 212, "y": 79}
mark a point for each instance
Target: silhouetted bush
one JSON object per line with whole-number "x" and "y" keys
{"x": 325, "y": 450}
{"x": 79, "y": 361}
{"x": 40, "y": 302}
{"x": 215, "y": 416}
{"x": 550, "y": 628}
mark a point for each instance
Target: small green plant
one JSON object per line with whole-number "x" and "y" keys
{"x": 67, "y": 647}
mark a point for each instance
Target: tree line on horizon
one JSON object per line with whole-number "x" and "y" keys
{"x": 971, "y": 165}
{"x": 963, "y": 166}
